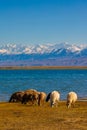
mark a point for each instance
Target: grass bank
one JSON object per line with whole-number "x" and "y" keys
{"x": 15, "y": 116}
{"x": 41, "y": 67}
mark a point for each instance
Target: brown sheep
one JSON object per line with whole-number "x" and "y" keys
{"x": 42, "y": 98}
{"x": 30, "y": 95}
{"x": 17, "y": 96}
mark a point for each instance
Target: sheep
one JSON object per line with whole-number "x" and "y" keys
{"x": 42, "y": 98}
{"x": 16, "y": 97}
{"x": 30, "y": 95}
{"x": 71, "y": 99}
{"x": 54, "y": 97}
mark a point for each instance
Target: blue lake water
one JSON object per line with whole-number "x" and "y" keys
{"x": 43, "y": 80}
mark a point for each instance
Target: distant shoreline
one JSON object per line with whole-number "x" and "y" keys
{"x": 41, "y": 67}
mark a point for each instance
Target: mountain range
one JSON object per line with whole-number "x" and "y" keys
{"x": 63, "y": 54}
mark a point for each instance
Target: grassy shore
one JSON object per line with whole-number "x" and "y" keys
{"x": 15, "y": 116}
{"x": 41, "y": 67}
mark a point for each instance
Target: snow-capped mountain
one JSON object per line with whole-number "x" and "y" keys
{"x": 46, "y": 54}
{"x": 40, "y": 49}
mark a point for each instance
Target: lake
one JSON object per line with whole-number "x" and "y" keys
{"x": 47, "y": 80}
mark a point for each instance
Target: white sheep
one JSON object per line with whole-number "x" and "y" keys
{"x": 71, "y": 99}
{"x": 54, "y": 97}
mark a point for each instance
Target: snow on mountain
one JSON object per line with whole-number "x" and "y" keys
{"x": 42, "y": 49}
{"x": 62, "y": 54}
{"x": 2, "y": 51}
{"x": 74, "y": 48}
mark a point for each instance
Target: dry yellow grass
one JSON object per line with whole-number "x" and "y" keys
{"x": 41, "y": 67}
{"x": 15, "y": 116}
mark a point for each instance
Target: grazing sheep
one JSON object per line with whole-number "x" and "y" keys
{"x": 42, "y": 98}
{"x": 16, "y": 97}
{"x": 71, "y": 99}
{"x": 54, "y": 97}
{"x": 30, "y": 95}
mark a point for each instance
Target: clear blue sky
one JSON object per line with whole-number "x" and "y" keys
{"x": 43, "y": 21}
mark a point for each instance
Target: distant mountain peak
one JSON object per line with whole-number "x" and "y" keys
{"x": 62, "y": 54}
{"x": 40, "y": 48}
